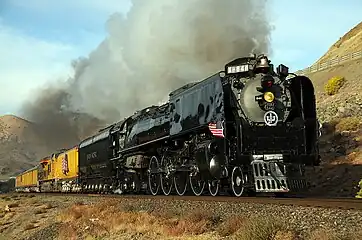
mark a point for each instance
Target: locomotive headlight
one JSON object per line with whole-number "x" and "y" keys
{"x": 269, "y": 97}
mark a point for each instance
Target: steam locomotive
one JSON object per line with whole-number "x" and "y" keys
{"x": 244, "y": 130}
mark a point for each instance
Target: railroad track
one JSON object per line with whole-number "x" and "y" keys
{"x": 334, "y": 203}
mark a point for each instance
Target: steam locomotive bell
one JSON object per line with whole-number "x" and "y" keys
{"x": 262, "y": 66}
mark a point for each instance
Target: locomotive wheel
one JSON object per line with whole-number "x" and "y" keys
{"x": 166, "y": 178}
{"x": 214, "y": 186}
{"x": 180, "y": 180}
{"x": 197, "y": 184}
{"x": 237, "y": 181}
{"x": 166, "y": 184}
{"x": 153, "y": 178}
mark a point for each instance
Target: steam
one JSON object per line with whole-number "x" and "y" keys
{"x": 158, "y": 47}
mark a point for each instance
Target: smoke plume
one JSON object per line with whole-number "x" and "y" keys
{"x": 159, "y": 46}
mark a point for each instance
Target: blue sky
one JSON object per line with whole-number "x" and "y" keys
{"x": 39, "y": 38}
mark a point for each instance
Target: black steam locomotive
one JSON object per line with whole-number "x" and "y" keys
{"x": 246, "y": 129}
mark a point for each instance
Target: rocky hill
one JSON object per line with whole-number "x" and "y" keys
{"x": 20, "y": 146}
{"x": 348, "y": 100}
{"x": 23, "y": 144}
{"x": 341, "y": 115}
{"x": 350, "y": 42}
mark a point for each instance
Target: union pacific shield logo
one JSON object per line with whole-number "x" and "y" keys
{"x": 271, "y": 118}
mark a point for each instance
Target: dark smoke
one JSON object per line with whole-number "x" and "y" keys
{"x": 159, "y": 46}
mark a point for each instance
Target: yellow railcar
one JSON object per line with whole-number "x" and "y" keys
{"x": 28, "y": 180}
{"x": 46, "y": 172}
{"x": 66, "y": 164}
{"x": 60, "y": 171}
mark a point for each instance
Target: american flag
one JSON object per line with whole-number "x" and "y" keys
{"x": 217, "y": 132}
{"x": 65, "y": 167}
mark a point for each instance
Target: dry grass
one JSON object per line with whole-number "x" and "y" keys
{"x": 103, "y": 218}
{"x": 263, "y": 228}
{"x": 107, "y": 219}
{"x": 6, "y": 198}
{"x": 323, "y": 234}
{"x": 30, "y": 226}
{"x": 13, "y": 205}
{"x": 194, "y": 223}
{"x": 40, "y": 211}
{"x": 230, "y": 226}
{"x": 349, "y": 124}
{"x": 113, "y": 219}
{"x": 2, "y": 213}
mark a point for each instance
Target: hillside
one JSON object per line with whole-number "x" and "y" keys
{"x": 348, "y": 101}
{"x": 341, "y": 115}
{"x": 350, "y": 42}
{"x": 20, "y": 147}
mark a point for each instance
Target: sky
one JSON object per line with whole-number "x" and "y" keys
{"x": 40, "y": 38}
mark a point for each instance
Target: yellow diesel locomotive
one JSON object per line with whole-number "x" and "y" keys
{"x": 27, "y": 181}
{"x": 55, "y": 173}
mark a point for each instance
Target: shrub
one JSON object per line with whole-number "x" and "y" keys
{"x": 230, "y": 226}
{"x": 257, "y": 228}
{"x": 13, "y": 205}
{"x": 334, "y": 84}
{"x": 359, "y": 193}
{"x": 30, "y": 226}
{"x": 348, "y": 124}
{"x": 193, "y": 223}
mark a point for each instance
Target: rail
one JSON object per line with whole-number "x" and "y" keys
{"x": 331, "y": 63}
{"x": 316, "y": 202}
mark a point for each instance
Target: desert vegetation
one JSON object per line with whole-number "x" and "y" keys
{"x": 33, "y": 217}
{"x": 359, "y": 193}
{"x": 106, "y": 219}
{"x": 334, "y": 84}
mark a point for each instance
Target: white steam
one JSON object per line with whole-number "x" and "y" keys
{"x": 159, "y": 46}
{"x": 162, "y": 45}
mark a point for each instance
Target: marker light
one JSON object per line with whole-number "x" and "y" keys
{"x": 269, "y": 97}
{"x": 267, "y": 84}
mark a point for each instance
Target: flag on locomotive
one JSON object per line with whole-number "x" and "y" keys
{"x": 217, "y": 129}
